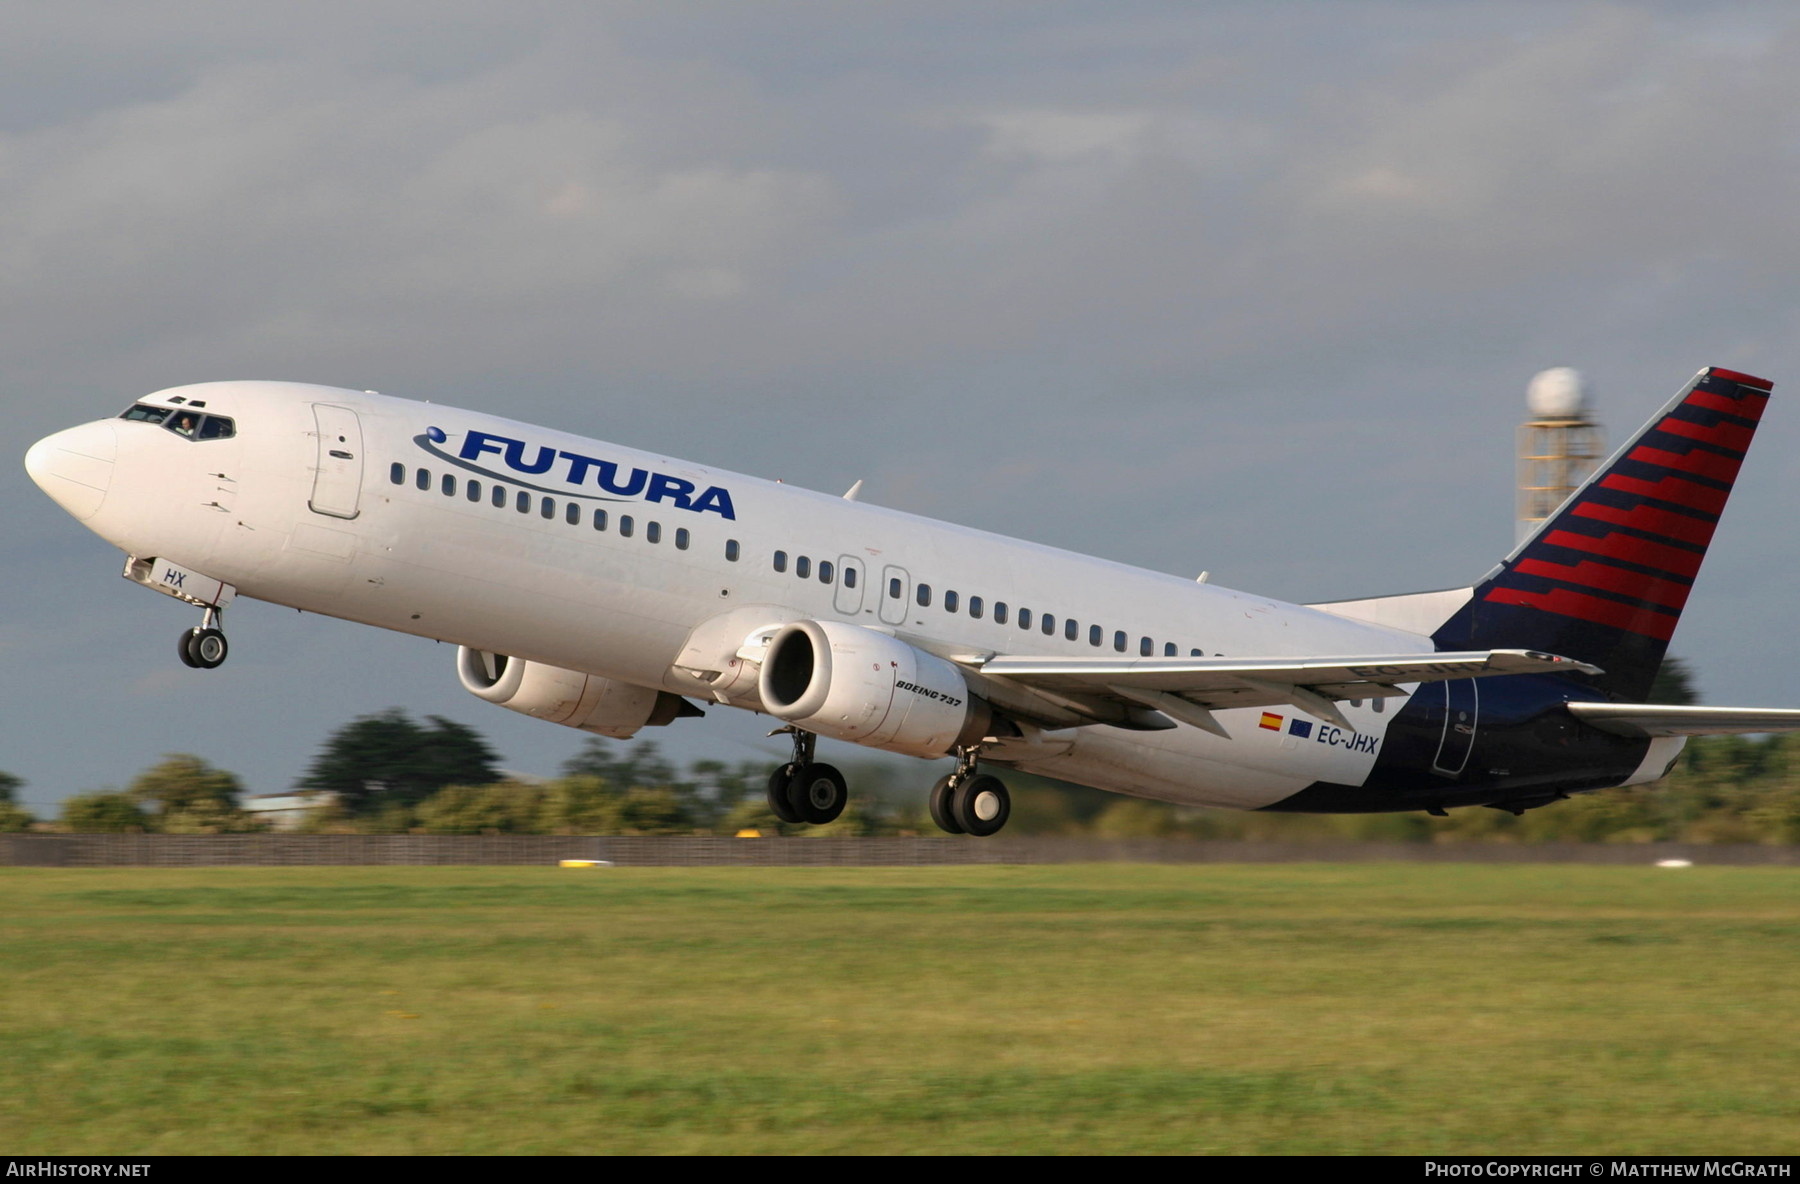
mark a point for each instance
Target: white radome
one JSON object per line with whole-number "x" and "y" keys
{"x": 1557, "y": 393}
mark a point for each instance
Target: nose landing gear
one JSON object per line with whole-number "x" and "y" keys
{"x": 204, "y": 647}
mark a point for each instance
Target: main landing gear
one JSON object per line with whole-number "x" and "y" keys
{"x": 969, "y": 803}
{"x": 964, "y": 803}
{"x": 204, "y": 647}
{"x": 803, "y": 790}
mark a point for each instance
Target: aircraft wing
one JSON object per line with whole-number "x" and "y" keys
{"x": 1189, "y": 689}
{"x": 1655, "y": 719}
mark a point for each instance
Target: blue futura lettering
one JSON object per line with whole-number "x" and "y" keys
{"x": 655, "y": 487}
{"x": 515, "y": 458}
{"x": 671, "y": 489}
{"x": 717, "y": 500}
{"x": 634, "y": 484}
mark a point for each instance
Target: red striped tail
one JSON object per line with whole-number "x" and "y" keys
{"x": 1606, "y": 577}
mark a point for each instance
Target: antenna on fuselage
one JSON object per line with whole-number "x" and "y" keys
{"x": 850, "y": 494}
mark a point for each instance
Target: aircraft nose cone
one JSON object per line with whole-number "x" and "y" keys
{"x": 75, "y": 466}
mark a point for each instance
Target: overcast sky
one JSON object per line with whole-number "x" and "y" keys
{"x": 1253, "y": 288}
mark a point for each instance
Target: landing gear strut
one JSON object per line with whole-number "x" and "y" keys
{"x": 967, "y": 802}
{"x": 204, "y": 647}
{"x": 804, "y": 790}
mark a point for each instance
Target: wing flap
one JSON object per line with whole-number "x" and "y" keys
{"x": 1190, "y": 689}
{"x": 1238, "y": 681}
{"x": 1655, "y": 719}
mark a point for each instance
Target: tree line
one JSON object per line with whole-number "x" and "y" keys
{"x": 387, "y": 774}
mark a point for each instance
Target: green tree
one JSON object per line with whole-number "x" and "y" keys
{"x": 185, "y": 795}
{"x": 379, "y": 760}
{"x": 103, "y": 812}
{"x": 13, "y": 818}
{"x": 1674, "y": 683}
{"x": 578, "y": 806}
{"x": 184, "y": 782}
{"x": 653, "y": 812}
{"x": 642, "y": 765}
{"x": 506, "y": 807}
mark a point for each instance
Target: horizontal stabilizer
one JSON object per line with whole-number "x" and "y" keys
{"x": 1655, "y": 719}
{"x": 1175, "y": 685}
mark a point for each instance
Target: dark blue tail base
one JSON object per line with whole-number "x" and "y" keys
{"x": 1605, "y": 579}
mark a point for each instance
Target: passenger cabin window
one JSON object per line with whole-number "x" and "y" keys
{"x": 999, "y": 612}
{"x": 625, "y": 526}
{"x": 1168, "y": 649}
{"x": 1196, "y": 654}
{"x": 1119, "y": 640}
{"x": 803, "y": 567}
{"x": 474, "y": 491}
{"x": 397, "y": 473}
{"x": 499, "y": 498}
{"x": 1071, "y": 630}
{"x": 522, "y": 503}
{"x": 975, "y": 607}
{"x": 1049, "y": 625}
{"x": 951, "y": 600}
{"x": 447, "y": 485}
{"x": 422, "y": 479}
{"x": 894, "y": 588}
{"x": 826, "y": 571}
{"x": 1094, "y": 632}
{"x": 849, "y": 577}
{"x": 573, "y": 514}
{"x": 924, "y": 596}
{"x": 1024, "y": 618}
{"x": 1146, "y": 647}
{"x": 547, "y": 508}
{"x": 781, "y": 561}
{"x": 653, "y": 532}
{"x": 599, "y": 519}
{"x": 731, "y": 550}
{"x": 681, "y": 538}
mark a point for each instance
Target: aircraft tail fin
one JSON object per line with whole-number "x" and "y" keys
{"x": 1605, "y": 578}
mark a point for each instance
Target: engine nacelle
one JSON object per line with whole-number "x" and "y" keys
{"x": 568, "y": 697}
{"x": 855, "y": 684}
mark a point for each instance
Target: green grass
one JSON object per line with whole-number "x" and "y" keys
{"x": 1116, "y": 1008}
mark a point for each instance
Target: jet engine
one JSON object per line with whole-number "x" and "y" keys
{"x": 852, "y": 683}
{"x": 575, "y": 700}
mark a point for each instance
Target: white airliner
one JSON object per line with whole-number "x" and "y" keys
{"x": 608, "y": 589}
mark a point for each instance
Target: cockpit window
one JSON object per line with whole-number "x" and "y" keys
{"x": 184, "y": 421}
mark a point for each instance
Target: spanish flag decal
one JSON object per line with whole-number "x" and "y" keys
{"x": 1270, "y": 721}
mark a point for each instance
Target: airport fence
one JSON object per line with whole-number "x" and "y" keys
{"x": 290, "y": 850}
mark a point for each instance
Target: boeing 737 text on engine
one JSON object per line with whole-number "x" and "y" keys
{"x": 609, "y": 590}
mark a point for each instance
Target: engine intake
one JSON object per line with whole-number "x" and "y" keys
{"x": 852, "y": 683}
{"x": 603, "y": 706}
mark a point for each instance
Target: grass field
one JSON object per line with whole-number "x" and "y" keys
{"x": 1109, "y": 1008}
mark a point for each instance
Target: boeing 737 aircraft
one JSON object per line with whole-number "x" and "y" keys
{"x": 607, "y": 589}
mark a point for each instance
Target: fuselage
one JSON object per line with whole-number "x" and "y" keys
{"x": 589, "y": 556}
